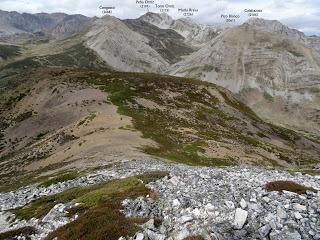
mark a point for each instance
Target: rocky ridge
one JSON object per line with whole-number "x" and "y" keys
{"x": 122, "y": 48}
{"x": 41, "y": 25}
{"x": 273, "y": 69}
{"x": 197, "y": 35}
{"x": 215, "y": 203}
{"x": 250, "y": 56}
{"x": 274, "y": 26}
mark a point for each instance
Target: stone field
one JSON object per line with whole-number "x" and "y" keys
{"x": 214, "y": 203}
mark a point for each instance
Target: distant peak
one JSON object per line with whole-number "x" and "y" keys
{"x": 263, "y": 22}
{"x": 157, "y": 17}
{"x": 274, "y": 26}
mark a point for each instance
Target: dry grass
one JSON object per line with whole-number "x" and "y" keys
{"x": 100, "y": 223}
{"x": 26, "y": 231}
{"x": 194, "y": 238}
{"x": 99, "y": 214}
{"x": 101, "y": 218}
{"x": 287, "y": 186}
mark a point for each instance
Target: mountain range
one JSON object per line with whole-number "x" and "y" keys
{"x": 272, "y": 68}
{"x": 157, "y": 128}
{"x": 41, "y": 25}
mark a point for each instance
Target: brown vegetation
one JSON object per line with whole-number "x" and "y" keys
{"x": 194, "y": 238}
{"x": 287, "y": 186}
{"x": 100, "y": 217}
{"x": 25, "y": 231}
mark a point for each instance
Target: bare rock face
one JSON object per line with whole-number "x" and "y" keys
{"x": 246, "y": 57}
{"x": 277, "y": 27}
{"x": 314, "y": 42}
{"x": 195, "y": 34}
{"x": 275, "y": 70}
{"x": 162, "y": 20}
{"x": 122, "y": 48}
{"x": 69, "y": 26}
{"x": 167, "y": 42}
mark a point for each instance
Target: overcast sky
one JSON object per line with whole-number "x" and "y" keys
{"x": 300, "y": 14}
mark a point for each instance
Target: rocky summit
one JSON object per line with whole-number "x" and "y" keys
{"x": 214, "y": 203}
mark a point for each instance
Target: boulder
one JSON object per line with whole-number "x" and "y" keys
{"x": 240, "y": 218}
{"x": 285, "y": 235}
{"x": 300, "y": 208}
{"x": 264, "y": 230}
{"x": 281, "y": 213}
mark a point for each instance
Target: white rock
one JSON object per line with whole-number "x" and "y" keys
{"x": 254, "y": 200}
{"x": 209, "y": 207}
{"x": 139, "y": 236}
{"x": 176, "y": 203}
{"x": 196, "y": 212}
{"x": 243, "y": 203}
{"x": 317, "y": 236}
{"x": 153, "y": 235}
{"x": 290, "y": 194}
{"x": 302, "y": 197}
{"x": 269, "y": 217}
{"x": 281, "y": 213}
{"x": 202, "y": 175}
{"x": 266, "y": 199}
{"x": 240, "y": 218}
{"x": 174, "y": 180}
{"x": 297, "y": 215}
{"x": 230, "y": 204}
{"x": 264, "y": 231}
{"x": 149, "y": 224}
{"x": 300, "y": 208}
{"x": 185, "y": 219}
{"x": 182, "y": 235}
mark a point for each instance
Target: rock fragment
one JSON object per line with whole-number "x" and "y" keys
{"x": 240, "y": 218}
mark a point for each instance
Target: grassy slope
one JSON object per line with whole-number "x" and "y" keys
{"x": 77, "y": 55}
{"x": 188, "y": 123}
{"x": 193, "y": 108}
{"x": 99, "y": 214}
{"x": 7, "y": 51}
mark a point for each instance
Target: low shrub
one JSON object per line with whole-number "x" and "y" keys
{"x": 194, "y": 238}
{"x": 25, "y": 231}
{"x": 287, "y": 186}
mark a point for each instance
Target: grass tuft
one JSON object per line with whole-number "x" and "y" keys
{"x": 25, "y": 231}
{"x": 152, "y": 176}
{"x": 287, "y": 186}
{"x": 100, "y": 215}
{"x": 194, "y": 238}
{"x": 90, "y": 196}
{"x": 61, "y": 178}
